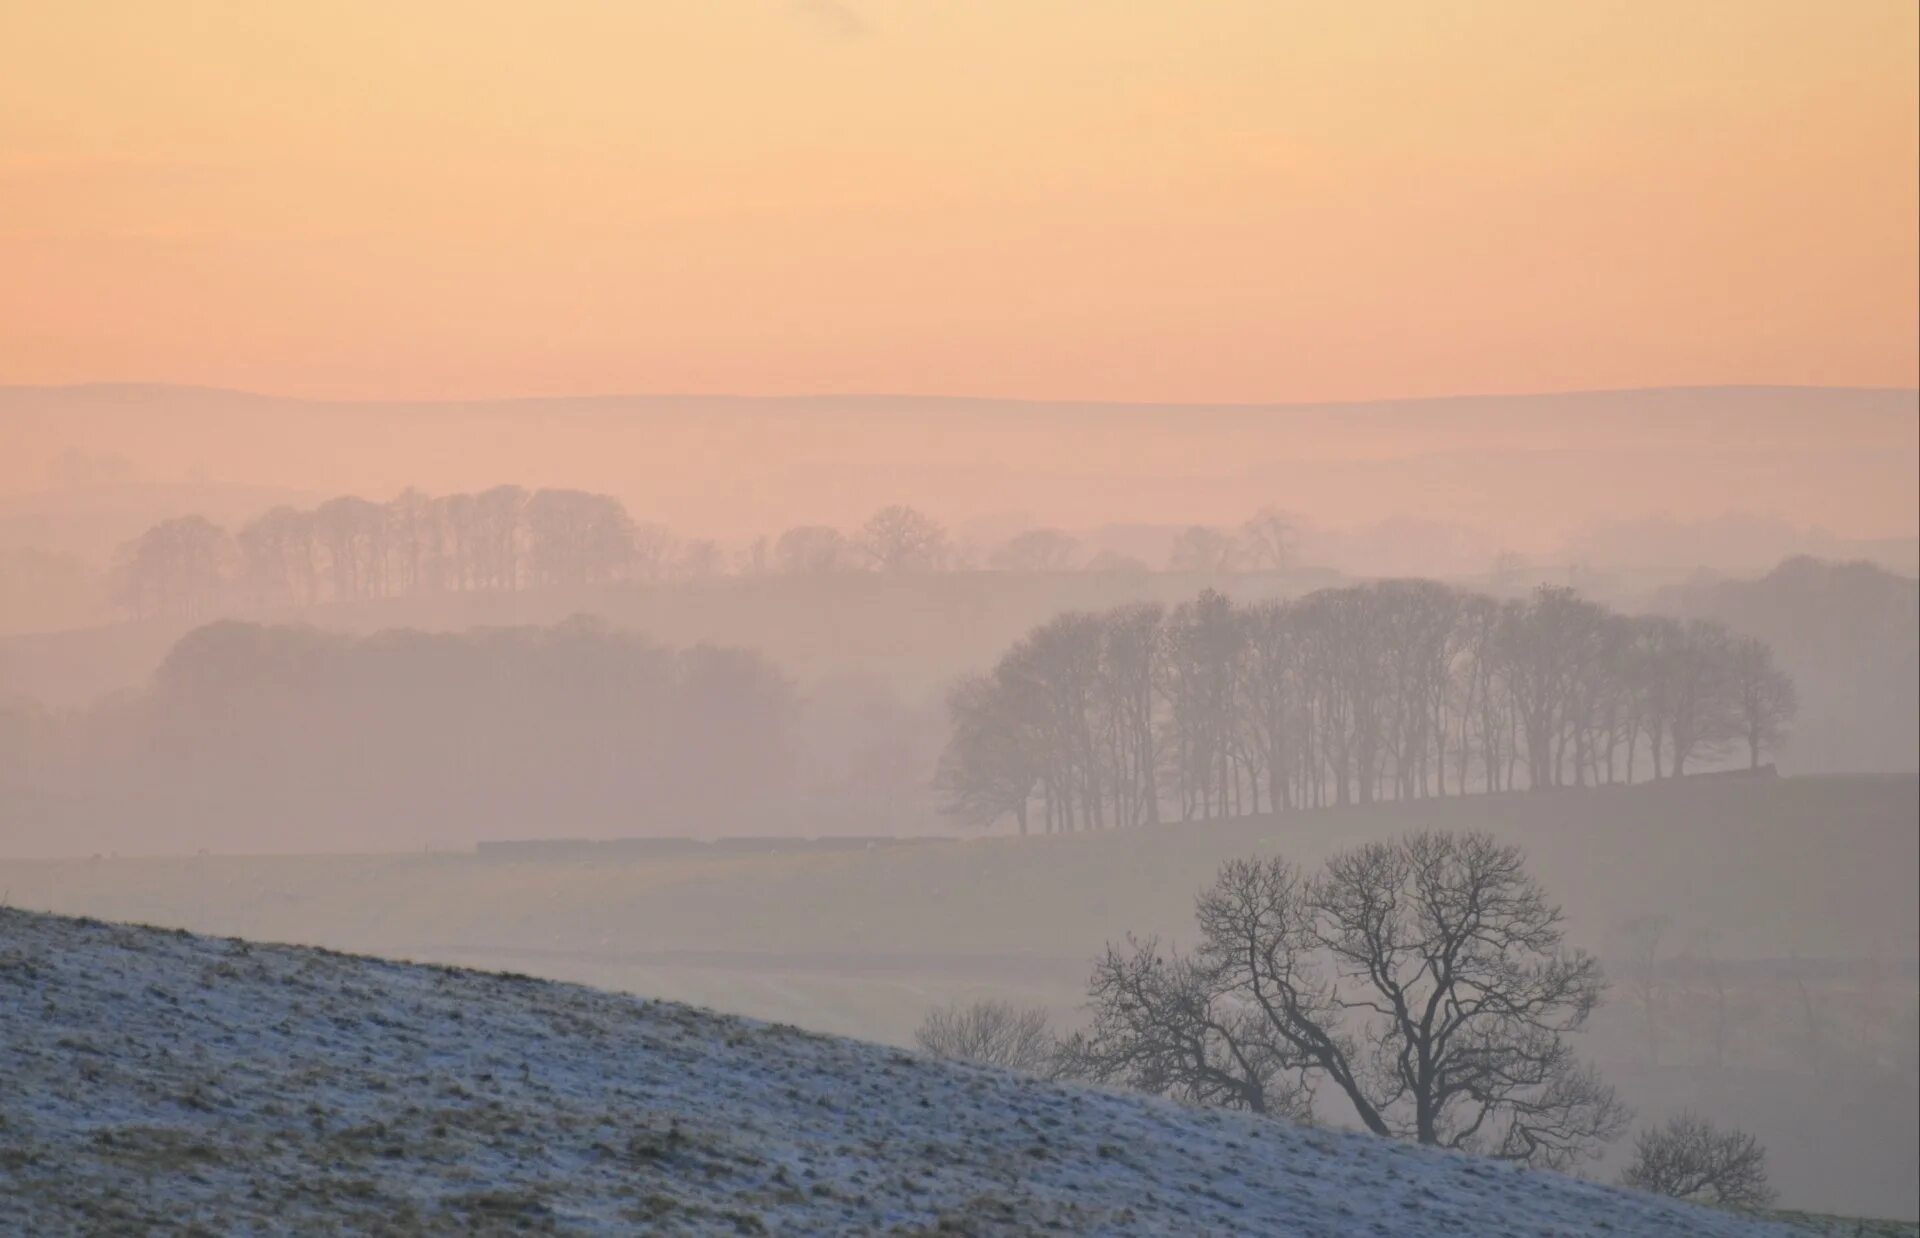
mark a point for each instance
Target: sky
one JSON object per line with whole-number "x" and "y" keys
{"x": 1236, "y": 200}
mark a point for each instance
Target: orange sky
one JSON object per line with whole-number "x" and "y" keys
{"x": 1226, "y": 199}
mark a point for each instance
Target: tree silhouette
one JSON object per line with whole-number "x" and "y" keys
{"x": 1424, "y": 980}
{"x": 1395, "y": 689}
{"x": 900, "y": 539}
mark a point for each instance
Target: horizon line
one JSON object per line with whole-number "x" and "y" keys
{"x": 798, "y": 397}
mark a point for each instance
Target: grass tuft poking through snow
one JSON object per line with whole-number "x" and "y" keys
{"x": 154, "y": 1080}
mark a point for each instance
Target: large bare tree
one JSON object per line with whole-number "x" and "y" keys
{"x": 1764, "y": 700}
{"x": 1425, "y": 980}
{"x": 990, "y": 765}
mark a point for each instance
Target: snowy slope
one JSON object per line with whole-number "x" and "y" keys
{"x": 151, "y": 1078}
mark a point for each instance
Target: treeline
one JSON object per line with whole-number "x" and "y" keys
{"x": 500, "y": 540}
{"x": 280, "y": 736}
{"x": 263, "y": 735}
{"x": 1390, "y": 690}
{"x": 349, "y": 548}
{"x": 507, "y": 539}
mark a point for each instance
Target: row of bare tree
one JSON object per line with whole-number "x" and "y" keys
{"x": 351, "y": 548}
{"x": 1396, "y": 689}
{"x": 507, "y": 538}
{"x": 499, "y": 540}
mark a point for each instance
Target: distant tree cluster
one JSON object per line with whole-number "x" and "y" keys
{"x": 507, "y": 539}
{"x": 1391, "y": 690}
{"x": 500, "y": 540}
{"x": 578, "y": 726}
{"x": 348, "y": 549}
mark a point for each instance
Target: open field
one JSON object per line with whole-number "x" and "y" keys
{"x": 1791, "y": 901}
{"x": 1796, "y": 867}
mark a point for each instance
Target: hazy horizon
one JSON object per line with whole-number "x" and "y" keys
{"x": 1327, "y": 596}
{"x": 1519, "y": 472}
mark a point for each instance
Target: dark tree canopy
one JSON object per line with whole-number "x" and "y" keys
{"x": 1399, "y": 689}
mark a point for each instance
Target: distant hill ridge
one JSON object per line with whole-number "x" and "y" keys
{"x": 727, "y": 465}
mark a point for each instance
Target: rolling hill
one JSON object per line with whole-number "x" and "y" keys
{"x": 159, "y": 1081}
{"x": 1790, "y": 904}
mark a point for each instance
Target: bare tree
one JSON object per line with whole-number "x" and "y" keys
{"x": 1764, "y": 700}
{"x": 1424, "y": 979}
{"x": 1054, "y": 678}
{"x": 1177, "y": 1027}
{"x": 899, "y": 538}
{"x": 459, "y": 516}
{"x": 1202, "y": 662}
{"x": 277, "y": 557}
{"x": 990, "y": 1033}
{"x": 1699, "y": 685}
{"x": 354, "y": 534}
{"x": 498, "y": 520}
{"x": 990, "y": 764}
{"x": 177, "y": 567}
{"x": 1690, "y": 1158}
{"x": 412, "y": 541}
{"x": 1270, "y": 539}
{"x": 654, "y": 546}
{"x": 1124, "y": 699}
{"x": 576, "y": 538}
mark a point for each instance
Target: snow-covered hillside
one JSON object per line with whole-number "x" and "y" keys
{"x": 152, "y": 1079}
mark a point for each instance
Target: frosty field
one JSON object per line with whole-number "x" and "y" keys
{"x": 157, "y": 1080}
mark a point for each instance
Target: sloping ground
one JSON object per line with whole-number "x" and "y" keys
{"x": 152, "y": 1079}
{"x": 1759, "y": 872}
{"x": 1850, "y": 1227}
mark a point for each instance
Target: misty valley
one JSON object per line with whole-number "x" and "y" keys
{"x": 957, "y": 853}
{"x": 979, "y": 619}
